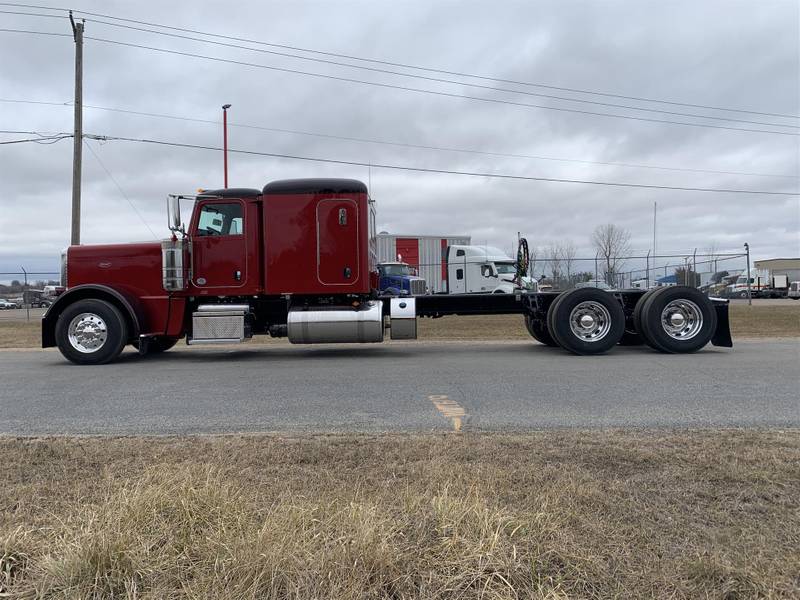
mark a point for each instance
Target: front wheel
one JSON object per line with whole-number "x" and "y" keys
{"x": 586, "y": 321}
{"x": 91, "y": 332}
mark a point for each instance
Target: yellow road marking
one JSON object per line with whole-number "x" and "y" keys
{"x": 449, "y": 409}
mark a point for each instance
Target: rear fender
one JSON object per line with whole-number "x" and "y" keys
{"x": 128, "y": 306}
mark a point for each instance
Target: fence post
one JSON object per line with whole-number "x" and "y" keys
{"x": 648, "y": 269}
{"x": 24, "y": 289}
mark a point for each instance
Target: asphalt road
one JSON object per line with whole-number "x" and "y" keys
{"x": 399, "y": 386}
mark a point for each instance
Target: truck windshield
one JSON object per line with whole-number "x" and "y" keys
{"x": 396, "y": 270}
{"x": 506, "y": 268}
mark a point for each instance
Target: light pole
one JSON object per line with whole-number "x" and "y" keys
{"x": 225, "y": 108}
{"x": 749, "y": 292}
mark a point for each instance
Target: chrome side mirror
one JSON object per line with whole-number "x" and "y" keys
{"x": 174, "y": 214}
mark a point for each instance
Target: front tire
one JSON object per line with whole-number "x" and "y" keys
{"x": 586, "y": 321}
{"x": 91, "y": 332}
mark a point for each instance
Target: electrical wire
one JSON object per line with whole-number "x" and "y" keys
{"x": 441, "y": 80}
{"x": 121, "y": 191}
{"x": 425, "y": 91}
{"x": 439, "y": 93}
{"x": 406, "y": 65}
{"x": 441, "y": 171}
{"x": 402, "y": 144}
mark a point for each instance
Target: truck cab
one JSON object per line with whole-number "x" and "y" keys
{"x": 399, "y": 278}
{"x": 483, "y": 269}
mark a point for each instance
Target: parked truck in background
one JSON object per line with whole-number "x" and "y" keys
{"x": 399, "y": 278}
{"x": 762, "y": 285}
{"x": 483, "y": 269}
{"x": 297, "y": 259}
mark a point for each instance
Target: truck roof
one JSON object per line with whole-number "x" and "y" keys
{"x": 484, "y": 253}
{"x": 230, "y": 193}
{"x": 315, "y": 186}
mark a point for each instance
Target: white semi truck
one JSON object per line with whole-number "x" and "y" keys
{"x": 483, "y": 269}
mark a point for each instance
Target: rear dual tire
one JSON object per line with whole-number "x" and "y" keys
{"x": 586, "y": 321}
{"x": 676, "y": 319}
{"x": 539, "y": 332}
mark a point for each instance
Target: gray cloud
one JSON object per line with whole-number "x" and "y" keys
{"x": 716, "y": 53}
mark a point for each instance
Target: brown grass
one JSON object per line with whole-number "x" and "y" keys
{"x": 559, "y": 514}
{"x": 761, "y": 321}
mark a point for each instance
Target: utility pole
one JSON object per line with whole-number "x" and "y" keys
{"x": 77, "y": 138}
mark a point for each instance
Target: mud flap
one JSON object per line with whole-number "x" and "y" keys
{"x": 722, "y": 336}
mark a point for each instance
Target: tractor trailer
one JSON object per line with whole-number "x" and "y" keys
{"x": 297, "y": 259}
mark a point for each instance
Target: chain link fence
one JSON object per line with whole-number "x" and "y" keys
{"x": 24, "y": 294}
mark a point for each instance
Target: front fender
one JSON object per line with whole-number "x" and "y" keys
{"x": 128, "y": 306}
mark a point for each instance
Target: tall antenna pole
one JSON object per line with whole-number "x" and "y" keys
{"x": 225, "y": 108}
{"x": 77, "y": 138}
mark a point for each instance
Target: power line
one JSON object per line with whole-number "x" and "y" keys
{"x": 441, "y": 80}
{"x": 121, "y": 191}
{"x": 425, "y": 147}
{"x": 410, "y": 66}
{"x": 410, "y": 89}
{"x": 401, "y": 144}
{"x": 433, "y": 92}
{"x": 441, "y": 171}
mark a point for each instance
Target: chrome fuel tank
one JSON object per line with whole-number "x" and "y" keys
{"x": 336, "y": 324}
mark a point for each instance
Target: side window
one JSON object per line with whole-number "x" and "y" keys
{"x": 220, "y": 219}
{"x": 486, "y": 270}
{"x": 460, "y": 253}
{"x": 459, "y": 273}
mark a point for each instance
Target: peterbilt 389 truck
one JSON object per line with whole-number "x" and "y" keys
{"x": 297, "y": 259}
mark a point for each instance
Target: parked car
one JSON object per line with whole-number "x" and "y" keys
{"x": 7, "y": 305}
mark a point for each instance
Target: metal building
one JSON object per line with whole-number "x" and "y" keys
{"x": 425, "y": 252}
{"x": 780, "y": 266}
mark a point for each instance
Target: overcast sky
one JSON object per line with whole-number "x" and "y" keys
{"x": 742, "y": 55}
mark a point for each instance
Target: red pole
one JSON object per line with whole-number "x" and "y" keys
{"x": 225, "y": 108}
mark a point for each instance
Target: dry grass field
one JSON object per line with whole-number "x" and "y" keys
{"x": 760, "y": 321}
{"x": 557, "y": 514}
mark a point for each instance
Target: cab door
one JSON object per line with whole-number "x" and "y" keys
{"x": 219, "y": 247}
{"x": 337, "y": 242}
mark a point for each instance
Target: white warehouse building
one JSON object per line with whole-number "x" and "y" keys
{"x": 426, "y": 253}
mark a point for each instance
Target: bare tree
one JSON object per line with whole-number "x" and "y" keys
{"x": 712, "y": 254}
{"x": 568, "y": 252}
{"x": 535, "y": 252}
{"x": 612, "y": 243}
{"x": 553, "y": 254}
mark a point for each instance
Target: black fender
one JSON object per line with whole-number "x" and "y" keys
{"x": 722, "y": 336}
{"x": 128, "y": 306}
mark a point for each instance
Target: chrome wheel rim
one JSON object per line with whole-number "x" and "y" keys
{"x": 682, "y": 319}
{"x": 590, "y": 321}
{"x": 87, "y": 333}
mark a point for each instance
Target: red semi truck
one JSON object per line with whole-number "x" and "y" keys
{"x": 297, "y": 259}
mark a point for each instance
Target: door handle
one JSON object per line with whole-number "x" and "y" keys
{"x": 237, "y": 275}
